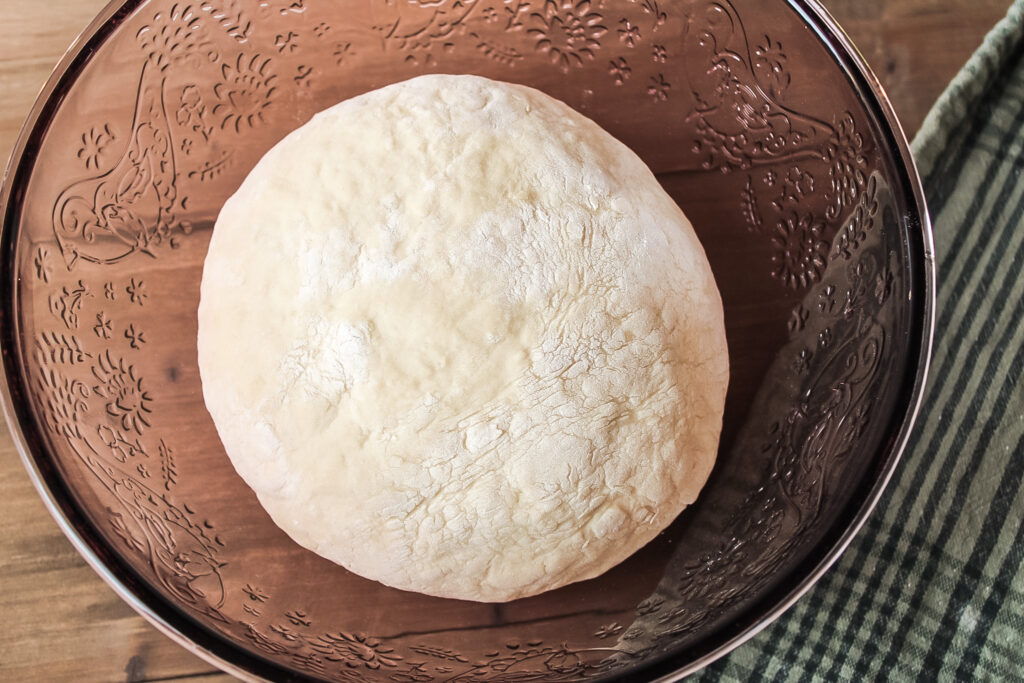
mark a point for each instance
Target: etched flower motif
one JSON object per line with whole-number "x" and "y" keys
{"x": 568, "y": 31}
{"x": 658, "y": 88}
{"x": 355, "y": 650}
{"x": 108, "y": 291}
{"x": 796, "y": 186}
{"x": 825, "y": 338}
{"x": 490, "y": 15}
{"x": 609, "y": 630}
{"x": 192, "y": 113}
{"x": 341, "y": 50}
{"x": 302, "y": 74}
{"x": 298, "y": 618}
{"x": 102, "y": 327}
{"x": 827, "y": 300}
{"x": 126, "y": 400}
{"x": 800, "y": 251}
{"x": 659, "y": 54}
{"x": 254, "y": 593}
{"x": 803, "y": 361}
{"x": 629, "y": 34}
{"x": 135, "y": 337}
{"x": 43, "y": 264}
{"x": 285, "y": 633}
{"x": 137, "y": 291}
{"x": 798, "y": 319}
{"x": 287, "y": 42}
{"x": 620, "y": 70}
{"x": 770, "y": 63}
{"x": 95, "y": 143}
{"x": 120, "y": 447}
{"x": 247, "y": 89}
{"x": 844, "y": 154}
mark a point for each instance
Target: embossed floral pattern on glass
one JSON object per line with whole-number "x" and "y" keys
{"x": 737, "y": 108}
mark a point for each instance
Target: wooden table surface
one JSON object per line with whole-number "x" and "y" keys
{"x": 60, "y": 621}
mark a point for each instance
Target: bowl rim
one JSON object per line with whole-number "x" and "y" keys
{"x": 220, "y": 652}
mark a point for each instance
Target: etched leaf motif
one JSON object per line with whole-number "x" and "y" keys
{"x": 442, "y": 653}
{"x": 168, "y": 469}
{"x": 172, "y": 37}
{"x": 283, "y": 7}
{"x": 425, "y": 26}
{"x": 231, "y": 18}
{"x": 748, "y": 204}
{"x": 514, "y": 11}
{"x": 653, "y": 8}
{"x": 64, "y": 402}
{"x": 854, "y": 232}
{"x": 61, "y": 349}
{"x": 67, "y": 303}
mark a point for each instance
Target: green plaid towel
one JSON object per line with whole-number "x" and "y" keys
{"x": 933, "y": 587}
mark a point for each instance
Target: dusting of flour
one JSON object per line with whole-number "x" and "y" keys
{"x": 459, "y": 340}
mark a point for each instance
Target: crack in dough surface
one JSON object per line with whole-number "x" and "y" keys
{"x": 459, "y": 340}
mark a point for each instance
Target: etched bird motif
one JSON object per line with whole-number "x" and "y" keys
{"x": 126, "y": 209}
{"x": 740, "y": 121}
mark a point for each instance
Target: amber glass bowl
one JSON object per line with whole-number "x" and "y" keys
{"x": 756, "y": 115}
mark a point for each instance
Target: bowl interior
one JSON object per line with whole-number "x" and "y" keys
{"x": 749, "y": 120}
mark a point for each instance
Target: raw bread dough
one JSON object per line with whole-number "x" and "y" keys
{"x": 459, "y": 340}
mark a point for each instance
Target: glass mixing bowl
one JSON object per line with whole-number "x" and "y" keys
{"x": 757, "y": 116}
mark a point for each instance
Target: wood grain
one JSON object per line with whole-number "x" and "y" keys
{"x": 61, "y": 622}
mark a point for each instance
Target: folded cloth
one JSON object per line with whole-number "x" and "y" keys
{"x": 933, "y": 586}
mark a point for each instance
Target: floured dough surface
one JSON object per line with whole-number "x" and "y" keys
{"x": 459, "y": 340}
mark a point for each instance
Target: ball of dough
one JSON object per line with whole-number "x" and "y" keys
{"x": 458, "y": 339}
